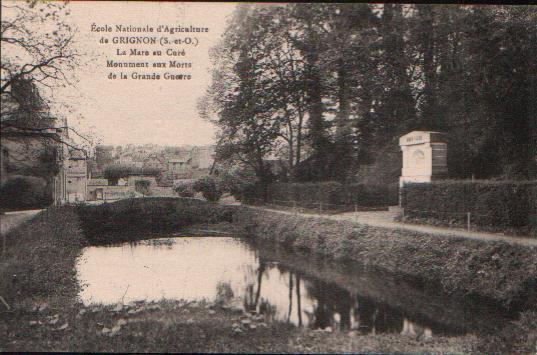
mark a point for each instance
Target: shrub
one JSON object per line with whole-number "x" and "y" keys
{"x": 131, "y": 219}
{"x": 184, "y": 190}
{"x": 25, "y": 192}
{"x": 118, "y": 171}
{"x": 334, "y": 194}
{"x": 519, "y": 338}
{"x": 142, "y": 186}
{"x": 490, "y": 203}
{"x": 209, "y": 188}
{"x": 238, "y": 182}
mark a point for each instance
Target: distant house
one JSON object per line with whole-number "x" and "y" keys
{"x": 96, "y": 189}
{"x": 155, "y": 161}
{"x": 202, "y": 157}
{"x": 179, "y": 164}
{"x": 165, "y": 163}
{"x": 132, "y": 179}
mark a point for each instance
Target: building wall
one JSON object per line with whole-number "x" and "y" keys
{"x": 76, "y": 174}
{"x": 206, "y": 158}
{"x": 3, "y": 164}
{"x": 76, "y": 189}
{"x": 178, "y": 167}
{"x": 107, "y": 193}
{"x": 202, "y": 158}
{"x": 131, "y": 180}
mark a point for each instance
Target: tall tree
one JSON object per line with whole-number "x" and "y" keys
{"x": 37, "y": 48}
{"x": 242, "y": 95}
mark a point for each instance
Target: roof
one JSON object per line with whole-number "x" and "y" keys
{"x": 179, "y": 160}
{"x": 97, "y": 182}
{"x": 183, "y": 182}
{"x": 153, "y": 158}
{"x": 76, "y": 154}
{"x": 420, "y": 137}
{"x": 14, "y": 131}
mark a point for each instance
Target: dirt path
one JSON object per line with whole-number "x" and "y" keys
{"x": 10, "y": 220}
{"x": 385, "y": 219}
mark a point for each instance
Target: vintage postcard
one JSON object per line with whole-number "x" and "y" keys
{"x": 226, "y": 177}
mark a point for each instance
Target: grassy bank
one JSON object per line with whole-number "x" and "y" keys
{"x": 39, "y": 261}
{"x": 38, "y": 281}
{"x": 498, "y": 271}
{"x": 202, "y": 328}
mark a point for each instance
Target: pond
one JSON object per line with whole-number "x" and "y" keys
{"x": 278, "y": 284}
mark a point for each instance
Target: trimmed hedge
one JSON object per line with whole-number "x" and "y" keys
{"x": 491, "y": 203}
{"x": 131, "y": 219}
{"x": 334, "y": 194}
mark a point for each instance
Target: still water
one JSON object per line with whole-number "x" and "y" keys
{"x": 281, "y": 286}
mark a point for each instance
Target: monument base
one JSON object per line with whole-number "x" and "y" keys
{"x": 420, "y": 179}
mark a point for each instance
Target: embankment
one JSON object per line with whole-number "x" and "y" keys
{"x": 40, "y": 258}
{"x": 425, "y": 305}
{"x": 502, "y": 272}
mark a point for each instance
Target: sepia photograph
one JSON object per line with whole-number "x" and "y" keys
{"x": 232, "y": 177}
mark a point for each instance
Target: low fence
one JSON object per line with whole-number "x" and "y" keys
{"x": 315, "y": 207}
{"x": 454, "y": 218}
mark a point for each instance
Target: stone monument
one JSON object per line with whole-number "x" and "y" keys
{"x": 424, "y": 157}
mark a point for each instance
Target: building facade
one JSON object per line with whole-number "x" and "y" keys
{"x": 76, "y": 171}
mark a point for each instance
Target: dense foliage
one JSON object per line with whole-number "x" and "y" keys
{"x": 333, "y": 195}
{"x": 184, "y": 190}
{"x": 238, "y": 182}
{"x": 325, "y": 87}
{"x": 209, "y": 187}
{"x": 25, "y": 192}
{"x": 491, "y": 203}
{"x": 142, "y": 186}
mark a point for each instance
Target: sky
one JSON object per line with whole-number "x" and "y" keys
{"x": 161, "y": 112}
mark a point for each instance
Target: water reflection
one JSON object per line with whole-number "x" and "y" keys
{"x": 230, "y": 272}
{"x": 285, "y": 295}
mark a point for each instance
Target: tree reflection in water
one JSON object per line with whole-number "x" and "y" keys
{"x": 327, "y": 305}
{"x": 224, "y": 293}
